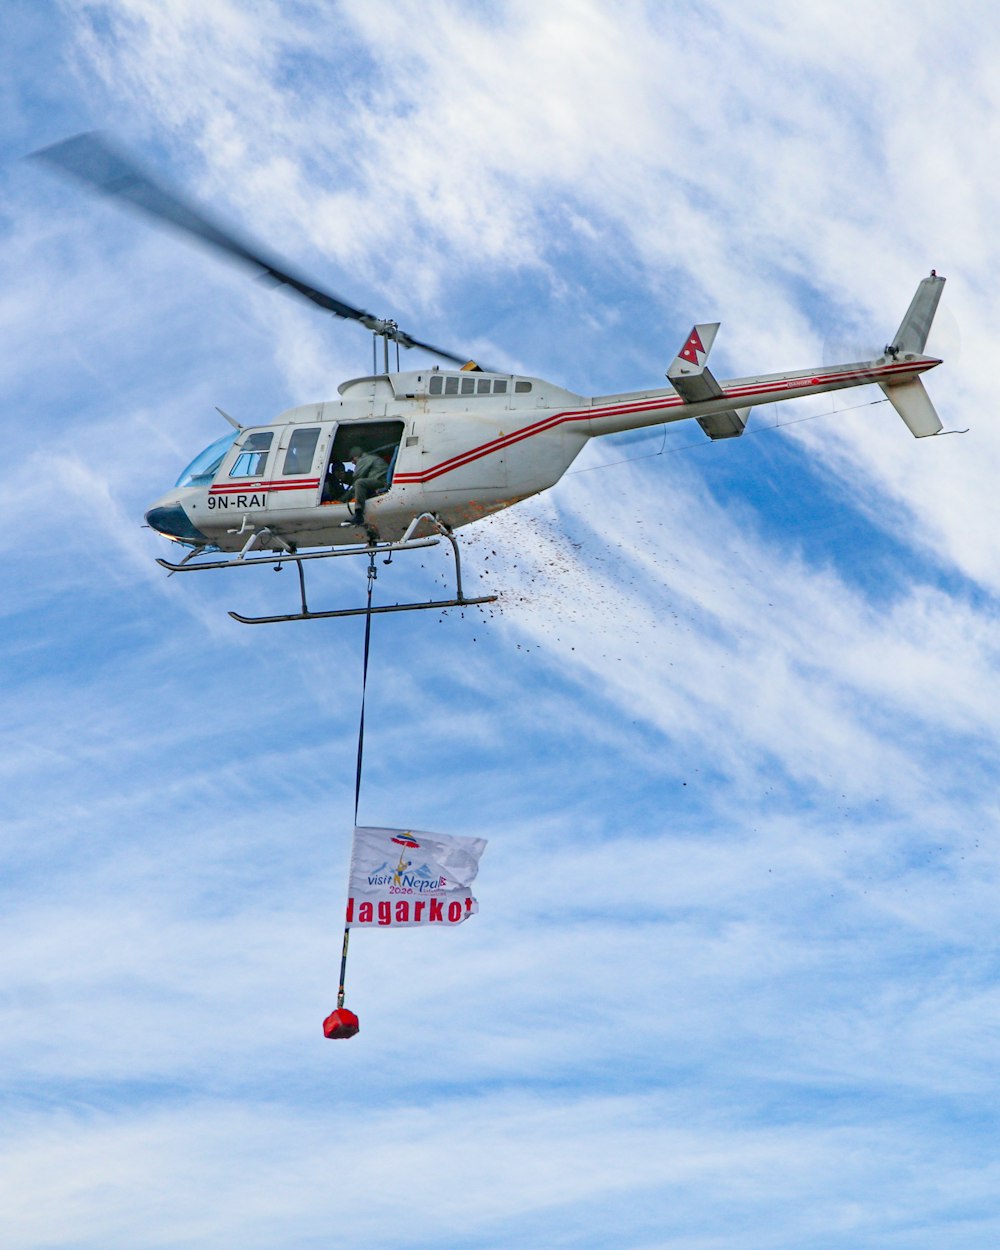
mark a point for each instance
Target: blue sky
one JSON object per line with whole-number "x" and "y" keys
{"x": 731, "y": 732}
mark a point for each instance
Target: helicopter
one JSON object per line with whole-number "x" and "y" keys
{"x": 452, "y": 444}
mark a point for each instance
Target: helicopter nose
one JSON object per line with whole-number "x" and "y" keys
{"x": 173, "y": 521}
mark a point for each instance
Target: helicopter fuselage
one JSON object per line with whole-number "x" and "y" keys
{"x": 459, "y": 445}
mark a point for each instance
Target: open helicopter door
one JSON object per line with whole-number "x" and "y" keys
{"x": 381, "y": 437}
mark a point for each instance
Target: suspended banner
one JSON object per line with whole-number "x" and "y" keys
{"x": 404, "y": 877}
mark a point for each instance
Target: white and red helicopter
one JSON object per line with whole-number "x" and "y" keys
{"x": 459, "y": 442}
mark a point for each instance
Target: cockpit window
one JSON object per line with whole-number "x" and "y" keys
{"x": 205, "y": 465}
{"x": 253, "y": 455}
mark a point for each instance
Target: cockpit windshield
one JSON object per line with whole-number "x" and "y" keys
{"x": 204, "y": 466}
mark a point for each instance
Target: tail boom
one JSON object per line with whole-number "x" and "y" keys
{"x": 721, "y": 408}
{"x": 612, "y": 414}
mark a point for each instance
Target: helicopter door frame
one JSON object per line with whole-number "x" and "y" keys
{"x": 375, "y": 434}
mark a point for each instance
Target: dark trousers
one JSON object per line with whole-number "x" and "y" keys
{"x": 364, "y": 488}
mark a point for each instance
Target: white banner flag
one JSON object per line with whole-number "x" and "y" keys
{"x": 405, "y": 877}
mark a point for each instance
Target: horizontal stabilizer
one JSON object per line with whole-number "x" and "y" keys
{"x": 729, "y": 424}
{"x": 914, "y": 405}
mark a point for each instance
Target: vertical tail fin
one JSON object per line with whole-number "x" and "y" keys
{"x": 911, "y": 337}
{"x": 907, "y": 395}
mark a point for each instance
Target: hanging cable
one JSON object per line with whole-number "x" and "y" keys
{"x": 372, "y": 574}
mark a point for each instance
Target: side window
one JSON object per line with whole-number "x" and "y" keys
{"x": 522, "y": 388}
{"x": 301, "y": 449}
{"x": 253, "y": 455}
{"x": 443, "y": 384}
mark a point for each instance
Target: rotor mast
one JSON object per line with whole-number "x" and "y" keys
{"x": 387, "y": 331}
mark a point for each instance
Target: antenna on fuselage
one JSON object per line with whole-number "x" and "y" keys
{"x": 232, "y": 420}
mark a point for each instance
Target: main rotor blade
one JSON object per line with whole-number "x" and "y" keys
{"x": 93, "y": 160}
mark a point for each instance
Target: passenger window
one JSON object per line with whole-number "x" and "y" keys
{"x": 435, "y": 384}
{"x": 253, "y": 455}
{"x": 522, "y": 388}
{"x": 468, "y": 386}
{"x": 483, "y": 386}
{"x": 500, "y": 386}
{"x": 301, "y": 449}
{"x": 451, "y": 386}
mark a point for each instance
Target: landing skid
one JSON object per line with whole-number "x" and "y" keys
{"x": 371, "y": 549}
{"x": 306, "y": 615}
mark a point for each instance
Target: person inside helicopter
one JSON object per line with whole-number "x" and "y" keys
{"x": 371, "y": 474}
{"x": 338, "y": 479}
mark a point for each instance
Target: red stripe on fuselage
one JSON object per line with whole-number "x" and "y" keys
{"x": 251, "y": 488}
